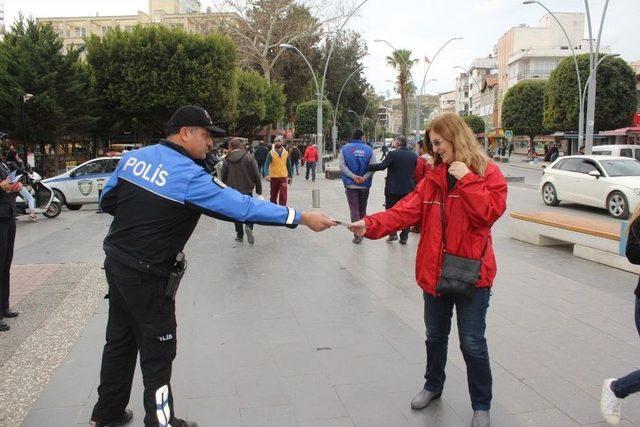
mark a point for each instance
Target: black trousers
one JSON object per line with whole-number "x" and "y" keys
{"x": 240, "y": 227}
{"x": 7, "y": 240}
{"x": 141, "y": 319}
{"x": 390, "y": 201}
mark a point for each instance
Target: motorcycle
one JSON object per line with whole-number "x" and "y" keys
{"x": 46, "y": 203}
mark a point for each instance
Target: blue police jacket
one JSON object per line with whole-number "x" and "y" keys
{"x": 157, "y": 195}
{"x": 357, "y": 155}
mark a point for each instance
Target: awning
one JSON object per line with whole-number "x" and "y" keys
{"x": 496, "y": 133}
{"x": 620, "y": 132}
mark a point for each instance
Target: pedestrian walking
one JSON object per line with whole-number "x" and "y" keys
{"x": 294, "y": 155}
{"x": 8, "y": 192}
{"x": 510, "y": 148}
{"x": 240, "y": 171}
{"x": 156, "y": 195}
{"x": 261, "y": 154}
{"x": 279, "y": 166}
{"x": 384, "y": 150}
{"x": 311, "y": 160}
{"x": 353, "y": 159}
{"x": 614, "y": 391}
{"x": 456, "y": 205}
{"x": 401, "y": 164}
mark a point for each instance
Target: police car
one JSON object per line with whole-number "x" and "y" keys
{"x": 81, "y": 185}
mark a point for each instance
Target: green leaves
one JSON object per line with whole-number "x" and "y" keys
{"x": 146, "y": 74}
{"x": 523, "y": 108}
{"x": 306, "y": 117}
{"x": 615, "y": 96}
{"x": 259, "y": 103}
{"x": 31, "y": 62}
{"x": 475, "y": 123}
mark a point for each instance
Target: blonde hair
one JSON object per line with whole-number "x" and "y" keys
{"x": 465, "y": 145}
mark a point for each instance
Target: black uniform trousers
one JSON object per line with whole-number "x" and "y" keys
{"x": 141, "y": 319}
{"x": 390, "y": 201}
{"x": 7, "y": 240}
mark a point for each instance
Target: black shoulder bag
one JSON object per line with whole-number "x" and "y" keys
{"x": 458, "y": 275}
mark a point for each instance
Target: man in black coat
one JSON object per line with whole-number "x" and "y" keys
{"x": 401, "y": 163}
{"x": 261, "y": 153}
{"x": 8, "y": 192}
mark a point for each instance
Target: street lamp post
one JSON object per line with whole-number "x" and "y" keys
{"x": 358, "y": 116}
{"x": 593, "y": 66}
{"x": 334, "y": 129}
{"x": 575, "y": 63}
{"x": 424, "y": 81}
{"x": 25, "y": 98}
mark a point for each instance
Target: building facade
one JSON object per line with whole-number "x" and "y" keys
{"x": 183, "y": 14}
{"x": 525, "y": 53}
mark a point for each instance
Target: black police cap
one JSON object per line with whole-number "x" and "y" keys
{"x": 192, "y": 115}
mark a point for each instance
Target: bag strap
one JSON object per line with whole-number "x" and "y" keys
{"x": 444, "y": 228}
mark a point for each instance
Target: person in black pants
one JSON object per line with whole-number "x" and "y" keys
{"x": 615, "y": 390}
{"x": 8, "y": 194}
{"x": 401, "y": 163}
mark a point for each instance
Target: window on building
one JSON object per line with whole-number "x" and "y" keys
{"x": 80, "y": 31}
{"x": 128, "y": 28}
{"x": 105, "y": 29}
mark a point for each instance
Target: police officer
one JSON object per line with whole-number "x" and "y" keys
{"x": 156, "y": 196}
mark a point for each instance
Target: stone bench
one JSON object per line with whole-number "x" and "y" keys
{"x": 599, "y": 241}
{"x": 331, "y": 173}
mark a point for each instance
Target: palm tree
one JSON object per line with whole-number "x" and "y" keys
{"x": 401, "y": 61}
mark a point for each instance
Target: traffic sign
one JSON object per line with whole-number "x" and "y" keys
{"x": 508, "y": 134}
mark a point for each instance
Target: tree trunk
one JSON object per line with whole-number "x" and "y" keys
{"x": 405, "y": 110}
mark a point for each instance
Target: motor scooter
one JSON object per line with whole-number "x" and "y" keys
{"x": 46, "y": 203}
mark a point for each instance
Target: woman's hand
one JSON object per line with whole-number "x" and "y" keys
{"x": 458, "y": 170}
{"x": 358, "y": 228}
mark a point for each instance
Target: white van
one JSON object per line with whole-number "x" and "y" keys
{"x": 618, "y": 150}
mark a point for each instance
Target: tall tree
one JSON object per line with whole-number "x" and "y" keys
{"x": 615, "y": 101}
{"x": 401, "y": 61}
{"x": 306, "y": 119}
{"x": 475, "y": 123}
{"x": 523, "y": 107}
{"x": 31, "y": 62}
{"x": 259, "y": 103}
{"x": 142, "y": 76}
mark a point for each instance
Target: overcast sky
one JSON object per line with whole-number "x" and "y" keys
{"x": 419, "y": 25}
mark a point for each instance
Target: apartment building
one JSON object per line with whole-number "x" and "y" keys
{"x": 183, "y": 14}
{"x": 525, "y": 53}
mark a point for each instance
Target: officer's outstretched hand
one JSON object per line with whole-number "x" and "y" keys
{"x": 317, "y": 221}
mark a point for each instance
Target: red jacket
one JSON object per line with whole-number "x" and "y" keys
{"x": 422, "y": 167}
{"x": 471, "y": 208}
{"x": 311, "y": 154}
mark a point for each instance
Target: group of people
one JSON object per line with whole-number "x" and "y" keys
{"x": 450, "y": 190}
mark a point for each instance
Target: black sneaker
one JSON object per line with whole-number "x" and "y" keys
{"x": 239, "y": 239}
{"x": 392, "y": 237}
{"x": 4, "y": 326}
{"x": 249, "y": 232}
{"x": 403, "y": 241}
{"x": 183, "y": 423}
{"x": 124, "y": 419}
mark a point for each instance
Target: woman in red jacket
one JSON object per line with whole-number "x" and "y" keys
{"x": 473, "y": 192}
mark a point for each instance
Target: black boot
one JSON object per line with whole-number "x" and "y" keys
{"x": 124, "y": 419}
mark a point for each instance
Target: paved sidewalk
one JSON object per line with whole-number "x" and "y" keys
{"x": 305, "y": 329}
{"x": 27, "y": 278}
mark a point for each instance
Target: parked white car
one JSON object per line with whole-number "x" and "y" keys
{"x": 621, "y": 150}
{"x": 608, "y": 182}
{"x": 81, "y": 185}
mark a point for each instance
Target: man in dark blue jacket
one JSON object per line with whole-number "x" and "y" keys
{"x": 401, "y": 163}
{"x": 156, "y": 196}
{"x": 354, "y": 159}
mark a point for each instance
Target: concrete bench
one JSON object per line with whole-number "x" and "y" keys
{"x": 331, "y": 173}
{"x": 599, "y": 241}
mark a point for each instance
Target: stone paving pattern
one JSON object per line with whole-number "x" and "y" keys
{"x": 307, "y": 329}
